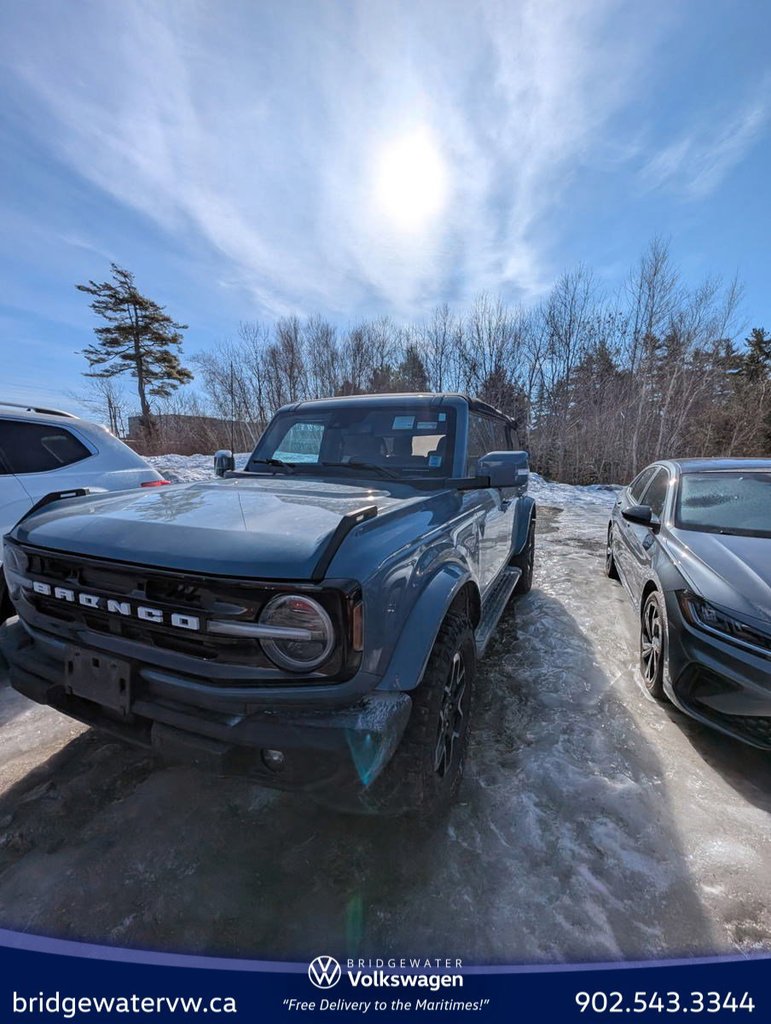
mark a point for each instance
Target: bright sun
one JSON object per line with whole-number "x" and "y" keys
{"x": 411, "y": 181}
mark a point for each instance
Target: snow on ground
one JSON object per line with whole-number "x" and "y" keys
{"x": 181, "y": 469}
{"x": 593, "y": 823}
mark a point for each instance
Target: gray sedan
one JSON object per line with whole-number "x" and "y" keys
{"x": 690, "y": 540}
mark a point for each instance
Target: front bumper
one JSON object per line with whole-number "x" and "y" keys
{"x": 185, "y": 720}
{"x": 719, "y": 682}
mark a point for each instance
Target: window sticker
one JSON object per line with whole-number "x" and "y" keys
{"x": 434, "y": 461}
{"x": 403, "y": 423}
{"x": 442, "y": 417}
{"x": 427, "y": 425}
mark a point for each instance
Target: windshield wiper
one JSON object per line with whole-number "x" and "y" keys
{"x": 288, "y": 466}
{"x": 356, "y": 464}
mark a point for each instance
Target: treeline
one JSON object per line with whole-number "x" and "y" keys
{"x": 599, "y": 385}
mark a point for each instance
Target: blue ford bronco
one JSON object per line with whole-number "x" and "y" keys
{"x": 313, "y": 620}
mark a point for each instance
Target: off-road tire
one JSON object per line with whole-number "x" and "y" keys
{"x": 525, "y": 561}
{"x": 653, "y": 645}
{"x": 611, "y": 570}
{"x": 410, "y": 783}
{"x": 6, "y": 608}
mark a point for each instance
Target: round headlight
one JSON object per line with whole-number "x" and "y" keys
{"x": 296, "y": 612}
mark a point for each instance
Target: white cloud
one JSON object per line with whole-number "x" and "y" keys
{"x": 251, "y": 130}
{"x": 699, "y": 161}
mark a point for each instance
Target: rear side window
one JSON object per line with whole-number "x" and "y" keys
{"x": 38, "y": 447}
{"x": 639, "y": 484}
{"x": 656, "y": 494}
{"x": 485, "y": 434}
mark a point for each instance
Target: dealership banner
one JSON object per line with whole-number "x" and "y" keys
{"x": 50, "y": 980}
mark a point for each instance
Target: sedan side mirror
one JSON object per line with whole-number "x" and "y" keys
{"x": 223, "y": 462}
{"x": 642, "y": 515}
{"x": 505, "y": 469}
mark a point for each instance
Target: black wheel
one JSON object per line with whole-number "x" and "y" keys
{"x": 610, "y": 562}
{"x": 424, "y": 774}
{"x": 525, "y": 561}
{"x": 6, "y": 608}
{"x": 653, "y": 647}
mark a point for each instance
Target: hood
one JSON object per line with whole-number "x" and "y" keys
{"x": 266, "y": 527}
{"x": 730, "y": 571}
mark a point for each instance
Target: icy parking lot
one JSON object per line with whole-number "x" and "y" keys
{"x": 593, "y": 823}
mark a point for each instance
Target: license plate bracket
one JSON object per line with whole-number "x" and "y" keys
{"x": 98, "y": 677}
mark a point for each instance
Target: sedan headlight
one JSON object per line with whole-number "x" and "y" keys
{"x": 703, "y": 615}
{"x": 309, "y": 638}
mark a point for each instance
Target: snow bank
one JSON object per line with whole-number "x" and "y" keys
{"x": 181, "y": 469}
{"x": 184, "y": 468}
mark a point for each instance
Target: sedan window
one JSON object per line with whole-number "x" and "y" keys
{"x": 639, "y": 484}
{"x": 656, "y": 493}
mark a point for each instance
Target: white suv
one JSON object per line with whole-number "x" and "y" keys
{"x": 44, "y": 450}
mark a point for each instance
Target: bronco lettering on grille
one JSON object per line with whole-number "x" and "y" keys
{"x": 180, "y": 620}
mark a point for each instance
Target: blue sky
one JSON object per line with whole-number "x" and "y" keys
{"x": 248, "y": 159}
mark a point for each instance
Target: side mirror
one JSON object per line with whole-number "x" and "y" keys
{"x": 223, "y": 462}
{"x": 505, "y": 469}
{"x": 642, "y": 515}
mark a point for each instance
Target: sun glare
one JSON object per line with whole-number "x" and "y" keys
{"x": 411, "y": 181}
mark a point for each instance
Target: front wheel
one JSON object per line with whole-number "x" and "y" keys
{"x": 653, "y": 647}
{"x": 610, "y": 562}
{"x": 525, "y": 561}
{"x": 424, "y": 774}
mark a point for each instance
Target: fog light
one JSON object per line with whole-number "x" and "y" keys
{"x": 273, "y": 759}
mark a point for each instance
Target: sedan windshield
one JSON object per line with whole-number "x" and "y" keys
{"x": 416, "y": 440}
{"x": 726, "y": 502}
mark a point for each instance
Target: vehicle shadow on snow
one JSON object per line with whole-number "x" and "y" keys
{"x": 562, "y": 846}
{"x": 747, "y": 769}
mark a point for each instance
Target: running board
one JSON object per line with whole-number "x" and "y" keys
{"x": 494, "y": 606}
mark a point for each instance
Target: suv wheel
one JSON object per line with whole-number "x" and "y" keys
{"x": 525, "y": 561}
{"x": 653, "y": 647}
{"x": 6, "y": 608}
{"x": 425, "y": 772}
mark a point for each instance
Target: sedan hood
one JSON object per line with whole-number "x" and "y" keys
{"x": 730, "y": 571}
{"x": 266, "y": 527}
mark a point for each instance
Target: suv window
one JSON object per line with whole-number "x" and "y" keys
{"x": 485, "y": 434}
{"x": 38, "y": 447}
{"x": 656, "y": 492}
{"x": 639, "y": 484}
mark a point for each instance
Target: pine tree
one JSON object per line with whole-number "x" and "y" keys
{"x": 138, "y": 338}
{"x": 411, "y": 373}
{"x": 757, "y": 361}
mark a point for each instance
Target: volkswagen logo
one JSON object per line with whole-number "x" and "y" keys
{"x": 324, "y": 972}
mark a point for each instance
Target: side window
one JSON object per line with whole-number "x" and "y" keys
{"x": 656, "y": 493}
{"x": 639, "y": 484}
{"x": 38, "y": 447}
{"x": 301, "y": 443}
{"x": 485, "y": 434}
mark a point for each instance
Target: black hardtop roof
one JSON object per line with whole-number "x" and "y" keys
{"x": 386, "y": 399}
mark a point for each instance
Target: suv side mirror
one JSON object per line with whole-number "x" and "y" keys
{"x": 505, "y": 469}
{"x": 223, "y": 462}
{"x": 642, "y": 515}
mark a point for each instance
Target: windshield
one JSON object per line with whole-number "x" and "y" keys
{"x": 726, "y": 502}
{"x": 414, "y": 440}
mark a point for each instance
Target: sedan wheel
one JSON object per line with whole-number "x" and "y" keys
{"x": 653, "y": 645}
{"x": 610, "y": 562}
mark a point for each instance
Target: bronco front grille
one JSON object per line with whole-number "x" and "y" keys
{"x": 176, "y": 596}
